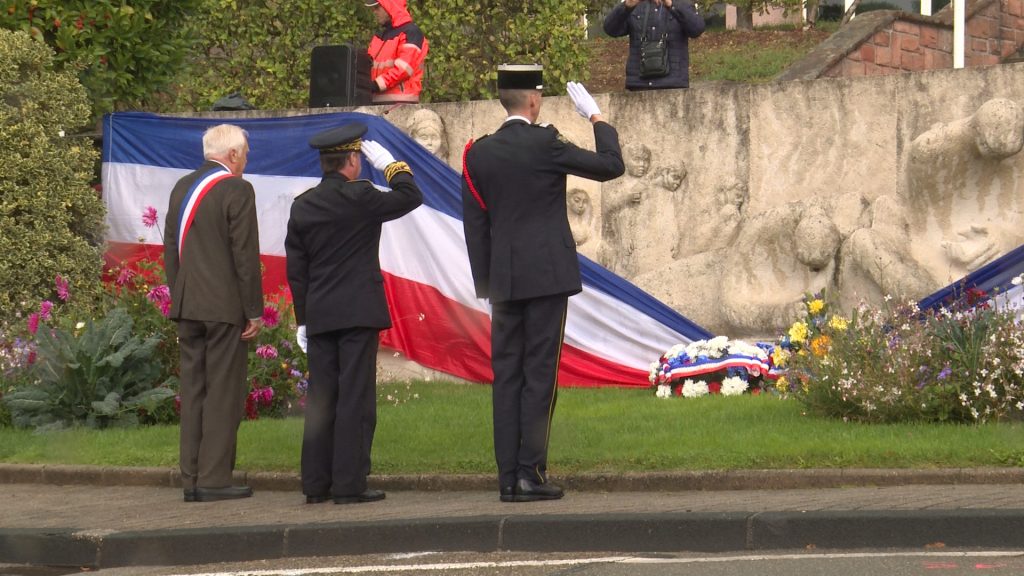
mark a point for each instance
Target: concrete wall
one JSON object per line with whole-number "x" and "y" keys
{"x": 749, "y": 196}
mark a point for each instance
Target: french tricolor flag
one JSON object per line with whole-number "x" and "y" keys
{"x": 614, "y": 330}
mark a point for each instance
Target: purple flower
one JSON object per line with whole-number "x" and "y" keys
{"x": 62, "y": 288}
{"x": 149, "y": 217}
{"x": 266, "y": 351}
{"x": 944, "y": 373}
{"x": 44, "y": 309}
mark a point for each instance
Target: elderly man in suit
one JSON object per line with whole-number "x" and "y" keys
{"x": 523, "y": 258}
{"x": 212, "y": 260}
{"x": 333, "y": 246}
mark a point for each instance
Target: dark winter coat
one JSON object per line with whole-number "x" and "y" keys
{"x": 681, "y": 22}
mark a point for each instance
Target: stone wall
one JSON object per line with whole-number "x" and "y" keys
{"x": 739, "y": 199}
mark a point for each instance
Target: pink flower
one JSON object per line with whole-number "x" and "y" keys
{"x": 266, "y": 351}
{"x": 267, "y": 395}
{"x": 270, "y": 316}
{"x": 161, "y": 296}
{"x": 62, "y": 288}
{"x": 124, "y": 276}
{"x": 44, "y": 309}
{"x": 149, "y": 217}
{"x": 33, "y": 322}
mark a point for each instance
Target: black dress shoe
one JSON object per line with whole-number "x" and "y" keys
{"x": 368, "y": 496}
{"x": 508, "y": 493}
{"x": 528, "y": 491}
{"x": 190, "y": 494}
{"x": 225, "y": 493}
{"x": 317, "y": 499}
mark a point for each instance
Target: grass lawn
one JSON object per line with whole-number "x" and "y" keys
{"x": 435, "y": 427}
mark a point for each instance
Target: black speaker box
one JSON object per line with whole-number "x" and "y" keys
{"x": 339, "y": 75}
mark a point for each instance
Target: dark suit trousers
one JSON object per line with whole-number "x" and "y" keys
{"x": 341, "y": 412}
{"x": 526, "y": 344}
{"x": 214, "y": 361}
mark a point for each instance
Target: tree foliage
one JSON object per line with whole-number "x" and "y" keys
{"x": 51, "y": 220}
{"x": 128, "y": 50}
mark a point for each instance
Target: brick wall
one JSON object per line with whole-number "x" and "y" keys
{"x": 912, "y": 43}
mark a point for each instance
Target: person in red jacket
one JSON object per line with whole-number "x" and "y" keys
{"x": 398, "y": 51}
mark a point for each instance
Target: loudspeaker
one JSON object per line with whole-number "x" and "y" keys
{"x": 339, "y": 75}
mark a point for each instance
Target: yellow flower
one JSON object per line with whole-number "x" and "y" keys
{"x": 838, "y": 323}
{"x": 820, "y": 345}
{"x": 782, "y": 385}
{"x": 780, "y": 356}
{"x": 798, "y": 332}
{"x": 815, "y": 306}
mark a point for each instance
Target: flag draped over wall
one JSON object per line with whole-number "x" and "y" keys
{"x": 613, "y": 332}
{"x": 993, "y": 281}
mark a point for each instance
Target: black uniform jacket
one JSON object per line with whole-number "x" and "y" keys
{"x": 333, "y": 246}
{"x": 521, "y": 245}
{"x": 217, "y": 278}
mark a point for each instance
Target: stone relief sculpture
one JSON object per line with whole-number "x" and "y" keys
{"x": 778, "y": 257}
{"x": 581, "y": 214}
{"x": 656, "y": 238}
{"x": 427, "y": 128}
{"x": 961, "y": 208}
{"x": 619, "y": 218}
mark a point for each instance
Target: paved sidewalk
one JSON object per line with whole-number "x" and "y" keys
{"x": 91, "y": 517}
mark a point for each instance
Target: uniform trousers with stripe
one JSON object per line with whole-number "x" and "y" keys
{"x": 341, "y": 412}
{"x": 214, "y": 360}
{"x": 526, "y": 343}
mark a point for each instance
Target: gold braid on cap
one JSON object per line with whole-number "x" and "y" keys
{"x": 395, "y": 168}
{"x": 346, "y": 147}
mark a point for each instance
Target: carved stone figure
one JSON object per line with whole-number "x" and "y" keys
{"x": 619, "y": 217}
{"x": 581, "y": 214}
{"x": 427, "y": 128}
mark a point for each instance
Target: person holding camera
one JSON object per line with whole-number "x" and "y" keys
{"x": 659, "y": 33}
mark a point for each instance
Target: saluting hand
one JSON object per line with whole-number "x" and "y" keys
{"x": 585, "y": 104}
{"x": 378, "y": 155}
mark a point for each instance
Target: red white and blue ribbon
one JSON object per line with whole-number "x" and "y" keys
{"x": 190, "y": 205}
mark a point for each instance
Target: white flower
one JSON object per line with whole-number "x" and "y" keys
{"x": 734, "y": 386}
{"x": 80, "y": 325}
{"x": 694, "y": 389}
{"x": 61, "y": 133}
{"x": 664, "y": 391}
{"x": 1018, "y": 280}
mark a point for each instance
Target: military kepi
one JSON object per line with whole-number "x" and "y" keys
{"x": 520, "y": 77}
{"x": 347, "y": 138}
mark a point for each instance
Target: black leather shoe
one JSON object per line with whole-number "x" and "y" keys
{"x": 317, "y": 499}
{"x": 225, "y": 493}
{"x": 508, "y": 493}
{"x": 528, "y": 491}
{"x": 368, "y": 496}
{"x": 190, "y": 494}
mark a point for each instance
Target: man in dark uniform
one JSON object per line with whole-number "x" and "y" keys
{"x": 523, "y": 259}
{"x": 334, "y": 273}
{"x": 212, "y": 260}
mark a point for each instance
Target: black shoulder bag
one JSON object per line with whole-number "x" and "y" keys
{"x": 653, "y": 53}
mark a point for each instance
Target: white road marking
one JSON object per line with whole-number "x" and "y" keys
{"x": 609, "y": 559}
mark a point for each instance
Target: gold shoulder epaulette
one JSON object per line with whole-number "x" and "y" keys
{"x": 395, "y": 168}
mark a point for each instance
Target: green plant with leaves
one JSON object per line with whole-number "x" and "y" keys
{"x": 125, "y": 52}
{"x": 97, "y": 373}
{"x": 51, "y": 220}
{"x": 277, "y": 370}
{"x": 960, "y": 363}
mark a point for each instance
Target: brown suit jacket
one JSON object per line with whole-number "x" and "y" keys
{"x": 217, "y": 278}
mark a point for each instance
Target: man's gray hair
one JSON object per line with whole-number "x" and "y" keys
{"x": 221, "y": 139}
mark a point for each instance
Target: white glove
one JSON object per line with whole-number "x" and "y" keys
{"x": 300, "y": 337}
{"x": 584, "y": 102}
{"x": 377, "y": 154}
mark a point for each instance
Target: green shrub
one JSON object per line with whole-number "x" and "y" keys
{"x": 262, "y": 49}
{"x": 97, "y": 373}
{"x": 962, "y": 363}
{"x": 51, "y": 220}
{"x": 277, "y": 369}
{"x": 124, "y": 51}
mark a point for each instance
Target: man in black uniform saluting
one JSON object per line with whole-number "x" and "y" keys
{"x": 523, "y": 259}
{"x": 333, "y": 246}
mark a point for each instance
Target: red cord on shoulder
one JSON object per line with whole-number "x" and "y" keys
{"x": 469, "y": 181}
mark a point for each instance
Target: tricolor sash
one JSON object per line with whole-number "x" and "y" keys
{"x": 195, "y": 195}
